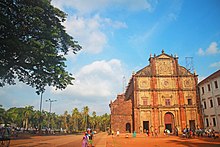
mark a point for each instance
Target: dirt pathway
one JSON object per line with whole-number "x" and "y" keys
{"x": 161, "y": 141}
{"x": 53, "y": 141}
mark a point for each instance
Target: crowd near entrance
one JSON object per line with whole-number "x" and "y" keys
{"x": 145, "y": 125}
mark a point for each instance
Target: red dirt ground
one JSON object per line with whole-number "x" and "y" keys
{"x": 161, "y": 141}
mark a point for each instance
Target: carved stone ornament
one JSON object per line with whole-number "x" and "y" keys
{"x": 187, "y": 83}
{"x": 165, "y": 83}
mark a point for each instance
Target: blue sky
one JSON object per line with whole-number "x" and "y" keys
{"x": 118, "y": 37}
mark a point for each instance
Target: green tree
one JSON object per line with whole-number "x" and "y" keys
{"x": 105, "y": 121}
{"x": 93, "y": 120}
{"x": 85, "y": 116}
{"x": 13, "y": 116}
{"x": 36, "y": 118}
{"x": 75, "y": 119}
{"x": 33, "y": 44}
{"x": 28, "y": 114}
{"x": 65, "y": 120}
{"x": 2, "y": 115}
{"x": 54, "y": 120}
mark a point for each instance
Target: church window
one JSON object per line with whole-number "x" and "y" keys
{"x": 167, "y": 102}
{"x": 209, "y": 88}
{"x": 214, "y": 122}
{"x": 204, "y": 105}
{"x": 202, "y": 90}
{"x": 211, "y": 103}
{"x": 218, "y": 100}
{"x": 216, "y": 84}
{"x": 207, "y": 122}
{"x": 189, "y": 101}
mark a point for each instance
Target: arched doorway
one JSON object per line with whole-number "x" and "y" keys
{"x": 128, "y": 127}
{"x": 169, "y": 121}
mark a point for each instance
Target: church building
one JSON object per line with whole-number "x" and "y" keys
{"x": 162, "y": 95}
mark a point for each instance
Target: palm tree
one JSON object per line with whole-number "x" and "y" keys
{"x": 99, "y": 123}
{"x": 36, "y": 118}
{"x": 106, "y": 120}
{"x": 28, "y": 113}
{"x": 75, "y": 119}
{"x": 85, "y": 114}
{"x": 53, "y": 120}
{"x": 65, "y": 120}
{"x": 93, "y": 120}
{"x": 44, "y": 118}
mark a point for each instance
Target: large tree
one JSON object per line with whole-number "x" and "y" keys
{"x": 33, "y": 44}
{"x": 75, "y": 119}
{"x": 28, "y": 112}
{"x": 2, "y": 115}
{"x": 85, "y": 116}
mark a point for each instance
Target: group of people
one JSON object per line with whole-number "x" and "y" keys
{"x": 88, "y": 138}
{"x": 117, "y": 133}
{"x": 189, "y": 133}
{"x": 166, "y": 132}
{"x": 153, "y": 132}
{"x": 186, "y": 132}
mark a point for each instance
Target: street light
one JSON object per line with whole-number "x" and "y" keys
{"x": 51, "y": 101}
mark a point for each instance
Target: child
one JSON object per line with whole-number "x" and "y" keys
{"x": 85, "y": 141}
{"x": 117, "y": 132}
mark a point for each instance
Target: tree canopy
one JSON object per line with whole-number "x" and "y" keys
{"x": 27, "y": 117}
{"x": 33, "y": 44}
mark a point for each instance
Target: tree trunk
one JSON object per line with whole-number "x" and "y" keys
{"x": 26, "y": 124}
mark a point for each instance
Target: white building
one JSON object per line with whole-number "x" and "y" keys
{"x": 209, "y": 91}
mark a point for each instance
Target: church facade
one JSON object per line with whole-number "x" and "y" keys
{"x": 162, "y": 95}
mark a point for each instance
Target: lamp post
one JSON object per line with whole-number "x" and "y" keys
{"x": 51, "y": 101}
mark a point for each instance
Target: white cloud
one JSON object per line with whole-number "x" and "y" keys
{"x": 216, "y": 64}
{"x": 211, "y": 50}
{"x": 90, "y": 6}
{"x": 114, "y": 24}
{"x": 99, "y": 79}
{"x": 201, "y": 52}
{"x": 88, "y": 32}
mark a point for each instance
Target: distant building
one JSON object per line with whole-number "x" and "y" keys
{"x": 209, "y": 90}
{"x": 160, "y": 96}
{"x": 121, "y": 114}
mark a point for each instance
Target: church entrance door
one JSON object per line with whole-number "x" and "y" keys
{"x": 192, "y": 124}
{"x": 128, "y": 127}
{"x": 169, "y": 121}
{"x": 145, "y": 126}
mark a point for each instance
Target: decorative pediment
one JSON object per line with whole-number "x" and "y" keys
{"x": 164, "y": 67}
{"x": 146, "y": 71}
{"x": 163, "y": 56}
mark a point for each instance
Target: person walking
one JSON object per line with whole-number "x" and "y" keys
{"x": 156, "y": 132}
{"x": 112, "y": 133}
{"x": 85, "y": 141}
{"x": 117, "y": 133}
{"x": 176, "y": 131}
{"x": 168, "y": 132}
